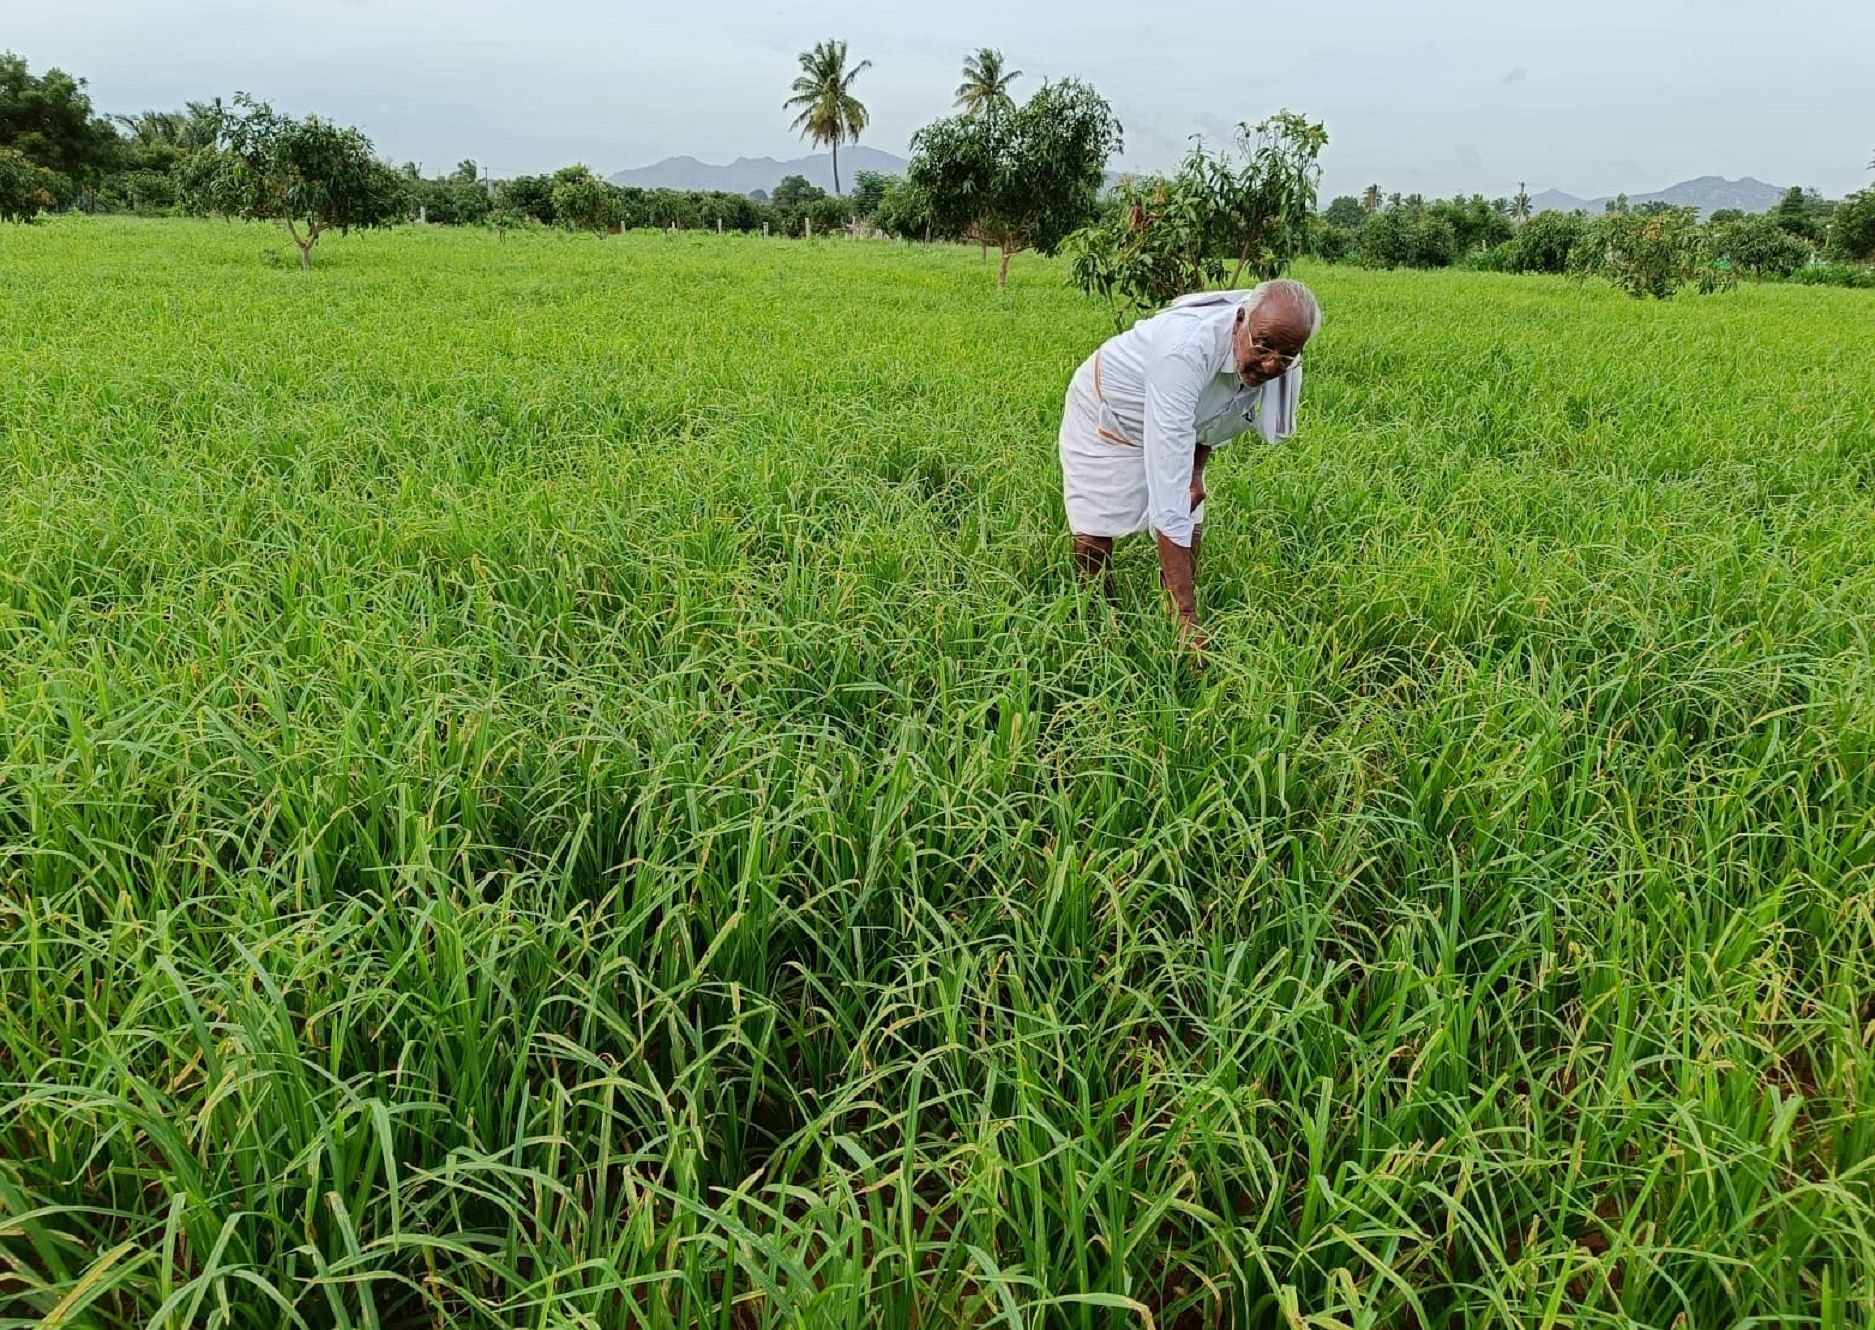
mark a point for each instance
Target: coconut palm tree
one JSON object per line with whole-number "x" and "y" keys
{"x": 829, "y": 113}
{"x": 1520, "y": 206}
{"x": 187, "y": 129}
{"x": 1370, "y": 201}
{"x": 986, "y": 83}
{"x": 151, "y": 128}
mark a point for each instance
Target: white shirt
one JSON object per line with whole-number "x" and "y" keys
{"x": 1170, "y": 382}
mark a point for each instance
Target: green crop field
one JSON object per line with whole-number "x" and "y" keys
{"x": 565, "y": 782}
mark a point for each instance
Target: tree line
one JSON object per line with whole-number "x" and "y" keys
{"x": 1670, "y": 246}
{"x": 242, "y": 158}
{"x": 1003, "y": 174}
{"x": 1013, "y": 176}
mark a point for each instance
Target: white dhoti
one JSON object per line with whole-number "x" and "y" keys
{"x": 1141, "y": 406}
{"x": 1103, "y": 470}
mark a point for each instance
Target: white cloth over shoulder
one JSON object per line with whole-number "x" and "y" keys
{"x": 1138, "y": 408}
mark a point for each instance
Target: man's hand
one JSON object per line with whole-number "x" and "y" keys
{"x": 1197, "y": 493}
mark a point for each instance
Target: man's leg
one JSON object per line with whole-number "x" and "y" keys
{"x": 1093, "y": 558}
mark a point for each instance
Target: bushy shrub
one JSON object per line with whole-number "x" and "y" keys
{"x": 1545, "y": 242}
{"x": 1652, "y": 254}
{"x": 1476, "y": 224}
{"x": 144, "y": 192}
{"x": 904, "y": 212}
{"x": 453, "y": 202}
{"x": 527, "y": 196}
{"x": 1759, "y": 246}
{"x": 1220, "y": 219}
{"x": 1836, "y": 274}
{"x": 1407, "y": 236}
{"x": 582, "y": 201}
{"x": 1330, "y": 241}
{"x": 827, "y": 213}
{"x": 26, "y": 187}
{"x": 1499, "y": 258}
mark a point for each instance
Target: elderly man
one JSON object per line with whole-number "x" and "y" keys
{"x": 1145, "y": 410}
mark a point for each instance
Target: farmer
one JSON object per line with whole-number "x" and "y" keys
{"x": 1145, "y": 410}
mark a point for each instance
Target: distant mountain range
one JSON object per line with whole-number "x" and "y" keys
{"x": 1708, "y": 193}
{"x": 745, "y": 175}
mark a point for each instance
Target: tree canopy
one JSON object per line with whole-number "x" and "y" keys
{"x": 1546, "y": 242}
{"x": 904, "y": 212}
{"x": 794, "y": 190}
{"x": 457, "y": 199}
{"x": 868, "y": 192}
{"x": 1219, "y": 219}
{"x": 582, "y": 201}
{"x": 1852, "y": 228}
{"x": 1802, "y": 213}
{"x": 1760, "y": 246}
{"x": 1345, "y": 211}
{"x": 310, "y": 176}
{"x": 1650, "y": 254}
{"x": 1022, "y": 178}
{"x": 1408, "y": 234}
{"x": 526, "y": 196}
{"x": 26, "y": 187}
{"x": 48, "y": 120}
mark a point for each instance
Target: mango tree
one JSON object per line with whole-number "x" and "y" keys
{"x": 310, "y": 176}
{"x": 26, "y": 187}
{"x": 582, "y": 201}
{"x": 1220, "y": 219}
{"x": 1650, "y": 254}
{"x": 1021, "y": 178}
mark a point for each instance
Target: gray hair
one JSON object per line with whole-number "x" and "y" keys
{"x": 1297, "y": 296}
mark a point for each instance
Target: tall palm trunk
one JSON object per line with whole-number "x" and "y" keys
{"x": 836, "y": 168}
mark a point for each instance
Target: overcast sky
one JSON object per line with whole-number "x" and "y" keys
{"x": 1589, "y": 96}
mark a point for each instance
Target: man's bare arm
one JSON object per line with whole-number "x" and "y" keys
{"x": 1178, "y": 571}
{"x": 1178, "y": 566}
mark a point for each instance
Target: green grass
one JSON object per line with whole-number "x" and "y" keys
{"x": 562, "y": 782}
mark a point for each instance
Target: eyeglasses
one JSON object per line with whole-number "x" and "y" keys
{"x": 1265, "y": 353}
{"x": 1262, "y": 359}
